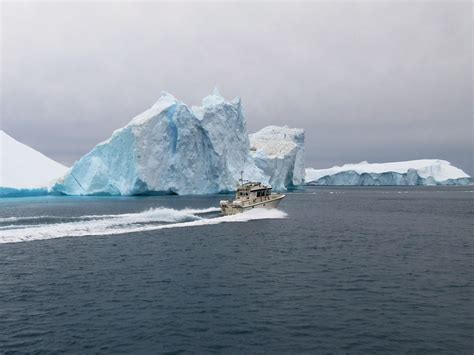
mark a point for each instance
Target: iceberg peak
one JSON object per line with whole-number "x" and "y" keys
{"x": 214, "y": 99}
{"x": 165, "y": 98}
{"x": 216, "y": 92}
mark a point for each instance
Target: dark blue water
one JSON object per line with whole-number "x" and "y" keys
{"x": 352, "y": 270}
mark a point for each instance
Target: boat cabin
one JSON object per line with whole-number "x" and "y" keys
{"x": 252, "y": 191}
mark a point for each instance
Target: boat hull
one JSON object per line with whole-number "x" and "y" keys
{"x": 232, "y": 208}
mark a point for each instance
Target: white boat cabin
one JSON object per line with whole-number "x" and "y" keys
{"x": 253, "y": 191}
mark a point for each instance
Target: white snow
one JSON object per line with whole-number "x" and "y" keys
{"x": 169, "y": 148}
{"x": 434, "y": 169}
{"x": 22, "y": 167}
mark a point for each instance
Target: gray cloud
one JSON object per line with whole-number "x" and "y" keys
{"x": 368, "y": 81}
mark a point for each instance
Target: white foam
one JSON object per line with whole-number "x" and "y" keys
{"x": 95, "y": 216}
{"x": 129, "y": 223}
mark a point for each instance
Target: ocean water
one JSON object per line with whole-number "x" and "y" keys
{"x": 350, "y": 270}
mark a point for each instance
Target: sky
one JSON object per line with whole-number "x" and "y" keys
{"x": 377, "y": 81}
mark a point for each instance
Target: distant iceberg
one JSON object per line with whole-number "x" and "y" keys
{"x": 413, "y": 172}
{"x": 25, "y": 171}
{"x": 172, "y": 148}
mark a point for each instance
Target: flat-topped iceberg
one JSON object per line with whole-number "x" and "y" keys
{"x": 279, "y": 152}
{"x": 25, "y": 171}
{"x": 413, "y": 172}
{"x": 172, "y": 148}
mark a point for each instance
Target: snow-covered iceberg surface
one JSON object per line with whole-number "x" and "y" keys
{"x": 170, "y": 148}
{"x": 279, "y": 153}
{"x": 25, "y": 171}
{"x": 413, "y": 172}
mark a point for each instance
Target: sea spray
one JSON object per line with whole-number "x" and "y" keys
{"x": 149, "y": 220}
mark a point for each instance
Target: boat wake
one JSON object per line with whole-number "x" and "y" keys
{"x": 22, "y": 229}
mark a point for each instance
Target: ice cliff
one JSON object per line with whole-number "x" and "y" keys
{"x": 172, "y": 148}
{"x": 414, "y": 172}
{"x": 25, "y": 171}
{"x": 279, "y": 153}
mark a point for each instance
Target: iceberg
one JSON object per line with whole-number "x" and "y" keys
{"x": 279, "y": 153}
{"x": 169, "y": 148}
{"x": 25, "y": 171}
{"x": 413, "y": 172}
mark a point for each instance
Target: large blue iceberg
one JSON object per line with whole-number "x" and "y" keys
{"x": 172, "y": 148}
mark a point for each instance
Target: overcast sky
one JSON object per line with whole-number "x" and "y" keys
{"x": 376, "y": 81}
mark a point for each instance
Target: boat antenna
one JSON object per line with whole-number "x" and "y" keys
{"x": 241, "y": 177}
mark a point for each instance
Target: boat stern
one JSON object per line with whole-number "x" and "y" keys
{"x": 229, "y": 208}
